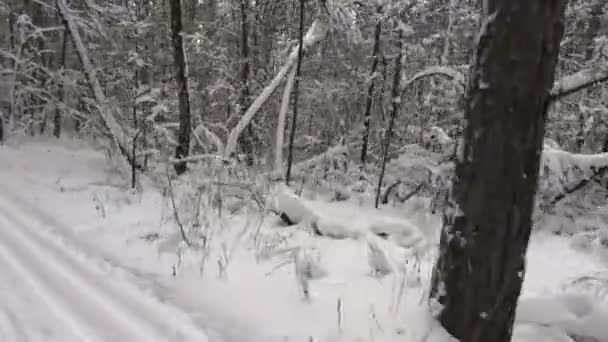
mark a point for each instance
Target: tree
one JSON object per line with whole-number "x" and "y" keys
{"x": 367, "y": 116}
{"x": 395, "y": 105}
{"x": 296, "y": 93}
{"x": 181, "y": 77}
{"x": 480, "y": 269}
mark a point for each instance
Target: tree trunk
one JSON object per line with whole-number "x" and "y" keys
{"x": 486, "y": 227}
{"x": 247, "y": 141}
{"x": 181, "y": 76}
{"x": 294, "y": 118}
{"x": 367, "y": 117}
{"x": 60, "y": 86}
{"x": 280, "y": 135}
{"x": 395, "y": 105}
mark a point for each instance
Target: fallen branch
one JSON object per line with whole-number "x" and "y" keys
{"x": 389, "y": 190}
{"x": 597, "y": 173}
{"x": 578, "y": 81}
{"x": 403, "y": 199}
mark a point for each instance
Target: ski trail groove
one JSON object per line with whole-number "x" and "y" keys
{"x": 91, "y": 302}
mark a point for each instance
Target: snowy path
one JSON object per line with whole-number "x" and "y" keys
{"x": 82, "y": 301}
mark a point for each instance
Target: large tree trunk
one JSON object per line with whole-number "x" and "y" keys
{"x": 181, "y": 76}
{"x": 367, "y": 117}
{"x": 487, "y": 225}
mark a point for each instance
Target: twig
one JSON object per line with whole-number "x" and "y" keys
{"x": 596, "y": 173}
{"x": 176, "y": 214}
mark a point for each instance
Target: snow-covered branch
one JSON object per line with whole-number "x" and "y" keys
{"x": 441, "y": 71}
{"x": 316, "y": 33}
{"x": 578, "y": 81}
{"x": 119, "y": 136}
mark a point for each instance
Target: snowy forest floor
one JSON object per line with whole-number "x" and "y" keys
{"x": 247, "y": 283}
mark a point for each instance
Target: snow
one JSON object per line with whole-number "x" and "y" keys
{"x": 65, "y": 214}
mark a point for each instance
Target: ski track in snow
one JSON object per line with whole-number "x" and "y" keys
{"x": 94, "y": 306}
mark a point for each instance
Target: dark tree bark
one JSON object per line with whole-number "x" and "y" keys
{"x": 181, "y": 76}
{"x": 296, "y": 93}
{"x": 367, "y": 117}
{"x": 1, "y": 127}
{"x": 487, "y": 225}
{"x": 395, "y": 106}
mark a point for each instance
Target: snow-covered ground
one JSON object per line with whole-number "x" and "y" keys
{"x": 83, "y": 258}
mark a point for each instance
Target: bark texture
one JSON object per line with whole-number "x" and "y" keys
{"x": 296, "y": 93}
{"x": 181, "y": 76}
{"x": 487, "y": 224}
{"x": 367, "y": 117}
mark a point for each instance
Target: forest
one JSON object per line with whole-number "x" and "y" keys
{"x": 304, "y": 170}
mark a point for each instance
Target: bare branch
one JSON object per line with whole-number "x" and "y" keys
{"x": 578, "y": 81}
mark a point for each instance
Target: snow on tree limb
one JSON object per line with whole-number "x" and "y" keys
{"x": 565, "y": 86}
{"x": 316, "y": 33}
{"x": 105, "y": 108}
{"x": 441, "y": 71}
{"x": 578, "y": 81}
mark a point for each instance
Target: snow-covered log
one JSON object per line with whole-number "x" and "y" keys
{"x": 563, "y": 173}
{"x": 291, "y": 208}
{"x": 119, "y": 136}
{"x": 316, "y": 33}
